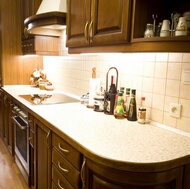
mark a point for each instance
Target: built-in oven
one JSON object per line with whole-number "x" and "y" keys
{"x": 21, "y": 140}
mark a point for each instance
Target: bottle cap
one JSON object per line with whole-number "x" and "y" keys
{"x": 120, "y": 94}
{"x": 142, "y": 98}
{"x": 133, "y": 91}
{"x": 122, "y": 88}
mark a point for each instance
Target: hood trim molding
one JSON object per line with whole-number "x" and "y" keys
{"x": 50, "y": 23}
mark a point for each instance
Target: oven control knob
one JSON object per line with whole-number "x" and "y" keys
{"x": 16, "y": 108}
{"x": 23, "y": 114}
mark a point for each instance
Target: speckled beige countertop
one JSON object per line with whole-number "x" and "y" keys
{"x": 106, "y": 136}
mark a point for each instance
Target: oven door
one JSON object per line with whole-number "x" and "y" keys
{"x": 21, "y": 132}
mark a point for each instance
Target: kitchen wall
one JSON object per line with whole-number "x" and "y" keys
{"x": 156, "y": 76}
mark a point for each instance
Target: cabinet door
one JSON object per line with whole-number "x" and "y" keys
{"x": 28, "y": 8}
{"x": 186, "y": 180}
{"x": 95, "y": 22}
{"x": 96, "y": 176}
{"x": 42, "y": 155}
{"x": 7, "y": 124}
{"x": 1, "y": 113}
{"x": 78, "y": 17}
{"x": 6, "y": 118}
{"x": 110, "y": 22}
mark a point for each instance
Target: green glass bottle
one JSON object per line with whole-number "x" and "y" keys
{"x": 132, "y": 112}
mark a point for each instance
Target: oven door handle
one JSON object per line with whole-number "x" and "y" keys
{"x": 22, "y": 127}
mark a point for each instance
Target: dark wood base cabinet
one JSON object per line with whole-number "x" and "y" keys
{"x": 96, "y": 176}
{"x": 66, "y": 164}
{"x": 57, "y": 161}
{"x": 1, "y": 113}
{"x": 8, "y": 130}
{"x": 42, "y": 156}
{"x": 186, "y": 178}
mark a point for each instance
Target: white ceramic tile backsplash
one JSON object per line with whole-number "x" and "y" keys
{"x": 157, "y": 76}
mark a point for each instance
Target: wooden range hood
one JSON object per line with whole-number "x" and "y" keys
{"x": 49, "y": 20}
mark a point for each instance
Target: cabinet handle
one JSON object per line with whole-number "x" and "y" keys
{"x": 86, "y": 32}
{"x": 47, "y": 139}
{"x": 64, "y": 170}
{"x": 59, "y": 184}
{"x": 82, "y": 173}
{"x": 62, "y": 149}
{"x": 90, "y": 33}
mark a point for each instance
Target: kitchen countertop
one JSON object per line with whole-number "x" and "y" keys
{"x": 107, "y": 137}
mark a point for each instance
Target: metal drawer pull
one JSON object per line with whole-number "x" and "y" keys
{"x": 62, "y": 149}
{"x": 47, "y": 139}
{"x": 64, "y": 170}
{"x": 59, "y": 184}
{"x": 90, "y": 32}
{"x": 82, "y": 174}
{"x": 86, "y": 32}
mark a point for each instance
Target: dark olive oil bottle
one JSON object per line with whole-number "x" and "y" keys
{"x": 132, "y": 112}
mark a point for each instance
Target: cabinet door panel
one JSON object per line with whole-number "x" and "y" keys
{"x": 77, "y": 17}
{"x": 42, "y": 156}
{"x": 99, "y": 177}
{"x": 111, "y": 21}
{"x": 1, "y": 113}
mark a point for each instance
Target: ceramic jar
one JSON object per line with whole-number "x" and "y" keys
{"x": 165, "y": 29}
{"x": 187, "y": 17}
{"x": 149, "y": 31}
{"x": 181, "y": 28}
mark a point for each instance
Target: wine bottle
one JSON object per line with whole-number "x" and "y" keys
{"x": 132, "y": 112}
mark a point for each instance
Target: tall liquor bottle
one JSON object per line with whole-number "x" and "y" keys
{"x": 132, "y": 112}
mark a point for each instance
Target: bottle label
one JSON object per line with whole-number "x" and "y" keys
{"x": 142, "y": 116}
{"x": 131, "y": 110}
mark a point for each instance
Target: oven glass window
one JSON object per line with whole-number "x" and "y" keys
{"x": 21, "y": 142}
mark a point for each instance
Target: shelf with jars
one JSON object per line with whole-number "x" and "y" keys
{"x": 162, "y": 20}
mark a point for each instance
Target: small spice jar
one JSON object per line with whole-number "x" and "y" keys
{"x": 149, "y": 31}
{"x": 142, "y": 112}
{"x": 99, "y": 104}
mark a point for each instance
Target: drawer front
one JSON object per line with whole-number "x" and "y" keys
{"x": 59, "y": 181}
{"x": 69, "y": 152}
{"x": 53, "y": 186}
{"x": 66, "y": 169}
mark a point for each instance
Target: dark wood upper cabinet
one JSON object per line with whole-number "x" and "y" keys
{"x": 28, "y": 8}
{"x": 118, "y": 26}
{"x": 31, "y": 44}
{"x": 95, "y": 22}
{"x": 144, "y": 9}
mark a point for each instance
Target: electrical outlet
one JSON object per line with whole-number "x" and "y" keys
{"x": 175, "y": 110}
